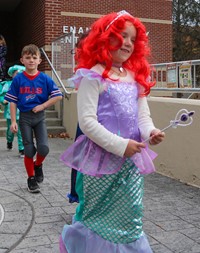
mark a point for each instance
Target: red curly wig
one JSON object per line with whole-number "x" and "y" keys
{"x": 95, "y": 47}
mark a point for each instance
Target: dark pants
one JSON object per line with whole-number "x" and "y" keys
{"x": 73, "y": 195}
{"x": 34, "y": 125}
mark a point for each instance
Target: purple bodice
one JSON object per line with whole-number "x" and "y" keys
{"x": 118, "y": 112}
{"x": 118, "y": 109}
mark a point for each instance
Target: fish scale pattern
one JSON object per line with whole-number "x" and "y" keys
{"x": 113, "y": 204}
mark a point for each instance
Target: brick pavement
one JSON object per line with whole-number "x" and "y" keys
{"x": 33, "y": 222}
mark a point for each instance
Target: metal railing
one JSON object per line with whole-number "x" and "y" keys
{"x": 182, "y": 76}
{"x": 54, "y": 71}
{"x": 63, "y": 58}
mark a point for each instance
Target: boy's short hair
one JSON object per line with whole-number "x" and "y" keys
{"x": 31, "y": 49}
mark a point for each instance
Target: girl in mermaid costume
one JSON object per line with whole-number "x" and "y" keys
{"x": 112, "y": 77}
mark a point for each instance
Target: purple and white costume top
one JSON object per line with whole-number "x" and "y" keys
{"x": 117, "y": 111}
{"x": 110, "y": 186}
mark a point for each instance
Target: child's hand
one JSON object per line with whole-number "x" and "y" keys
{"x": 14, "y": 127}
{"x": 5, "y": 102}
{"x": 38, "y": 108}
{"x": 156, "y": 137}
{"x": 133, "y": 147}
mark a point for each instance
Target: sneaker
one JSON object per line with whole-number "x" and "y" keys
{"x": 73, "y": 198}
{"x": 38, "y": 173}
{"x": 21, "y": 153}
{"x": 33, "y": 187}
{"x": 9, "y": 145}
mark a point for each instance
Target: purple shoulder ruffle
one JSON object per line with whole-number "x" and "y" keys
{"x": 80, "y": 73}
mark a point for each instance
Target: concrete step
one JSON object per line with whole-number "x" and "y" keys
{"x": 55, "y": 130}
{"x": 2, "y": 123}
{"x": 49, "y": 114}
{"x": 52, "y": 130}
{"x": 3, "y": 131}
{"x": 1, "y": 115}
{"x": 49, "y": 122}
{"x": 54, "y": 124}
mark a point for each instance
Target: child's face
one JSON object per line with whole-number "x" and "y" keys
{"x": 31, "y": 62}
{"x": 122, "y": 54}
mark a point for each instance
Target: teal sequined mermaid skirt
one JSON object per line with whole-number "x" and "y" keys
{"x": 109, "y": 214}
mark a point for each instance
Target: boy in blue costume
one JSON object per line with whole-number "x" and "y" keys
{"x": 12, "y": 72}
{"x": 32, "y": 92}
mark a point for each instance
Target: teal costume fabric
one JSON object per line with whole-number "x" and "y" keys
{"x": 112, "y": 201}
{"x": 14, "y": 68}
{"x": 9, "y": 135}
{"x": 109, "y": 215}
{"x": 4, "y": 87}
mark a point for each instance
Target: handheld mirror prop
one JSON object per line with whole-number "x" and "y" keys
{"x": 183, "y": 118}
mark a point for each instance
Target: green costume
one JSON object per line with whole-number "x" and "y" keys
{"x": 4, "y": 87}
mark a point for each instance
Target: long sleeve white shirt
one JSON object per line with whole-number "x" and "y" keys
{"x": 87, "y": 103}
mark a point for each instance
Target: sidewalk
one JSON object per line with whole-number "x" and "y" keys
{"x": 33, "y": 222}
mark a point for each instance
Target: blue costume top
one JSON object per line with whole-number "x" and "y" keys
{"x": 28, "y": 93}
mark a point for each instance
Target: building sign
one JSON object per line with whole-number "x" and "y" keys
{"x": 76, "y": 31}
{"x": 171, "y": 76}
{"x": 185, "y": 80}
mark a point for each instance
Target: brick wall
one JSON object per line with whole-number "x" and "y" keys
{"x": 155, "y": 14}
{"x": 29, "y": 25}
{"x": 41, "y": 22}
